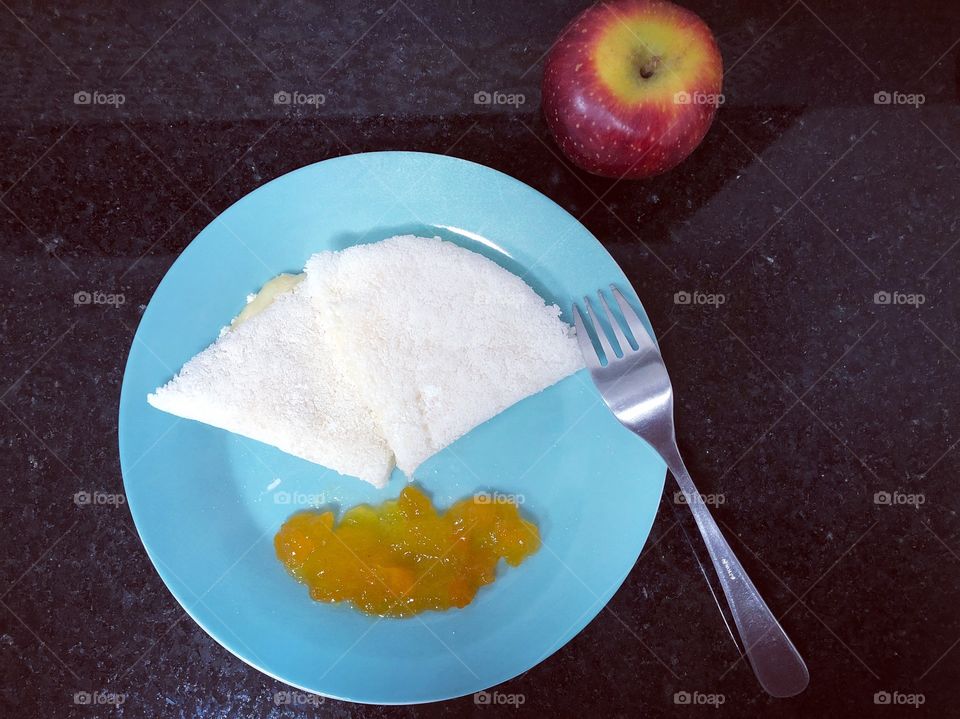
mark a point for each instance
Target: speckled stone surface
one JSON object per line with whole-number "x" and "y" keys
{"x": 826, "y": 420}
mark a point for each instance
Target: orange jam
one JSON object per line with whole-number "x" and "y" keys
{"x": 404, "y": 557}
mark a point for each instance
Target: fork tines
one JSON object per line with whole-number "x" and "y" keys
{"x": 633, "y": 324}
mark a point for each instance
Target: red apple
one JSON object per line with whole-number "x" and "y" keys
{"x": 631, "y": 87}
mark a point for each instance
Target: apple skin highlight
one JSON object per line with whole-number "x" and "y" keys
{"x": 631, "y": 87}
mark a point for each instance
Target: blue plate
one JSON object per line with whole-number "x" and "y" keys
{"x": 207, "y": 503}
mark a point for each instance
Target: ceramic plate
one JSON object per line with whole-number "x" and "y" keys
{"x": 207, "y": 503}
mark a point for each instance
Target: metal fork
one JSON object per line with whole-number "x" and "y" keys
{"x": 637, "y": 389}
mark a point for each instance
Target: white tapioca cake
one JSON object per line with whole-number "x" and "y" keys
{"x": 272, "y": 377}
{"x": 437, "y": 339}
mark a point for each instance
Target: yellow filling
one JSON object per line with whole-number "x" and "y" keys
{"x": 403, "y": 557}
{"x": 283, "y": 282}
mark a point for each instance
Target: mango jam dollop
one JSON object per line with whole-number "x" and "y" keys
{"x": 404, "y": 557}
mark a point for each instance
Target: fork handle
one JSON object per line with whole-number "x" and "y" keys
{"x": 775, "y": 661}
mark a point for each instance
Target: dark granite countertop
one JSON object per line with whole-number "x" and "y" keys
{"x": 826, "y": 418}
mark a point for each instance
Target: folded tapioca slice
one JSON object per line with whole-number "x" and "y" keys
{"x": 273, "y": 376}
{"x": 436, "y": 338}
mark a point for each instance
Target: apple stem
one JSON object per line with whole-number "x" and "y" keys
{"x": 649, "y": 67}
